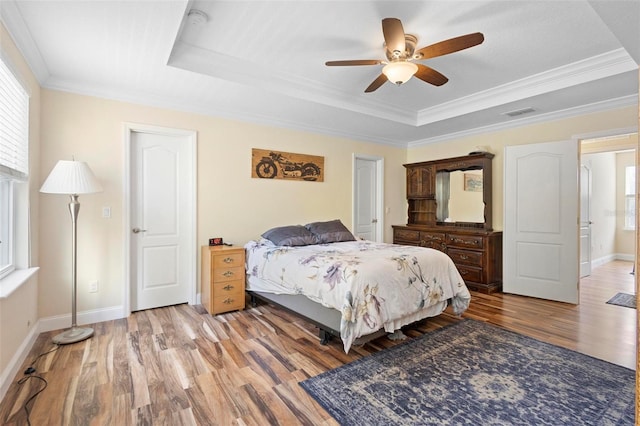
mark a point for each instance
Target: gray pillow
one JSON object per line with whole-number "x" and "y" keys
{"x": 332, "y": 231}
{"x": 294, "y": 235}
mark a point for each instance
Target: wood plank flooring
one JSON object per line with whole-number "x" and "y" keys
{"x": 180, "y": 366}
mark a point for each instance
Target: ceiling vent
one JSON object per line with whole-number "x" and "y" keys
{"x": 519, "y": 112}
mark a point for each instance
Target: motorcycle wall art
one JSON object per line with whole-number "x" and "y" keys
{"x": 268, "y": 164}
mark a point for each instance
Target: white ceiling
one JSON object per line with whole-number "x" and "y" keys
{"x": 263, "y": 61}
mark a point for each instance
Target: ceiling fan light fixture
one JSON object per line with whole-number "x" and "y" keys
{"x": 399, "y": 72}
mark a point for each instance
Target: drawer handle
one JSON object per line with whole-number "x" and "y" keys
{"x": 465, "y": 242}
{"x": 228, "y": 260}
{"x": 463, "y": 272}
{"x": 228, "y": 287}
{"x": 463, "y": 257}
{"x": 227, "y": 301}
{"x": 228, "y": 274}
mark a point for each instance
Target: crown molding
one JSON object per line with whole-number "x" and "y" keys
{"x": 607, "y": 64}
{"x": 152, "y": 100}
{"x": 263, "y": 119}
{"x": 611, "y": 104}
{"x": 17, "y": 28}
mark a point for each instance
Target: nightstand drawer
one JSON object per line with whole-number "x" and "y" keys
{"x": 225, "y": 303}
{"x": 465, "y": 257}
{"x": 227, "y": 274}
{"x": 228, "y": 287}
{"x": 228, "y": 260}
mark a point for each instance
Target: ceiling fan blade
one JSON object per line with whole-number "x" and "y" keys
{"x": 449, "y": 46}
{"x": 376, "y": 83}
{"x": 354, "y": 62}
{"x": 430, "y": 75}
{"x": 393, "y": 35}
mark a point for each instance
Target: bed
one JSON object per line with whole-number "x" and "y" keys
{"x": 348, "y": 287}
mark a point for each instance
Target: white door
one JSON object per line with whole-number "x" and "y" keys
{"x": 366, "y": 221}
{"x": 585, "y": 221}
{"x": 162, "y": 248}
{"x": 541, "y": 221}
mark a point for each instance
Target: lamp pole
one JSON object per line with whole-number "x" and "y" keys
{"x": 72, "y": 178}
{"x": 75, "y": 333}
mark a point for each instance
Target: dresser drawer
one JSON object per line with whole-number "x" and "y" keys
{"x": 465, "y": 257}
{"x": 227, "y": 274}
{"x": 432, "y": 238}
{"x": 228, "y": 260}
{"x": 469, "y": 273}
{"x": 470, "y": 241}
{"x": 406, "y": 235}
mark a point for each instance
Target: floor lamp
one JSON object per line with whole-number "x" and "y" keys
{"x": 72, "y": 178}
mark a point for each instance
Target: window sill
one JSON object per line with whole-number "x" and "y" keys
{"x": 15, "y": 280}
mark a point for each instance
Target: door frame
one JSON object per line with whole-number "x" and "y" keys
{"x": 379, "y": 211}
{"x": 190, "y": 214}
{"x": 604, "y": 134}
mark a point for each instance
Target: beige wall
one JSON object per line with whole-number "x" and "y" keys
{"x": 230, "y": 203}
{"x": 18, "y": 312}
{"x": 544, "y": 132}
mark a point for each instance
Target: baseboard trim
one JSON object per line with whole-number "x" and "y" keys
{"x": 7, "y": 376}
{"x": 49, "y": 324}
{"x": 58, "y": 322}
{"x": 610, "y": 258}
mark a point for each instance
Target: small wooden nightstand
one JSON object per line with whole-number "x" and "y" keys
{"x": 222, "y": 278}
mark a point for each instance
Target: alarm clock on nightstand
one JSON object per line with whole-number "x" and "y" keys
{"x": 216, "y": 241}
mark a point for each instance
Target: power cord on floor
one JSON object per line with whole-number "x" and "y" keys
{"x": 32, "y": 397}
{"x": 30, "y": 374}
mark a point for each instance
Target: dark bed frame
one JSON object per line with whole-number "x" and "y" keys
{"x": 326, "y": 319}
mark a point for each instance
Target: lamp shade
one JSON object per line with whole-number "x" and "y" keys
{"x": 399, "y": 72}
{"x": 71, "y": 177}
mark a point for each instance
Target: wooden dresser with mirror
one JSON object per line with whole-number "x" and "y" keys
{"x": 449, "y": 209}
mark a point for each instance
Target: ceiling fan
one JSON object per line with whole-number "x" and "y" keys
{"x": 401, "y": 51}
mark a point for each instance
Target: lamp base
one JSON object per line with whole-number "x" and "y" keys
{"x": 73, "y": 335}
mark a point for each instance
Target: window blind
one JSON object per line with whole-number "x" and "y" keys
{"x": 14, "y": 126}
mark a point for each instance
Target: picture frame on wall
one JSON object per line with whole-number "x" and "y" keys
{"x": 473, "y": 182}
{"x": 270, "y": 164}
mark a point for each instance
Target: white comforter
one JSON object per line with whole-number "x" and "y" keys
{"x": 374, "y": 285}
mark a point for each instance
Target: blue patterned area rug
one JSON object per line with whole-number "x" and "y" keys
{"x": 474, "y": 373}
{"x": 623, "y": 299}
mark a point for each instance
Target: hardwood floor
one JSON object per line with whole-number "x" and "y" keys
{"x": 179, "y": 365}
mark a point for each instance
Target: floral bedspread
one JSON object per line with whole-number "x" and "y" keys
{"x": 374, "y": 285}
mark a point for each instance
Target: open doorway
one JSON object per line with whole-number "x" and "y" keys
{"x": 607, "y": 213}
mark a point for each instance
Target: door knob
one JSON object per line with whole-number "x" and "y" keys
{"x": 374, "y": 220}
{"x": 137, "y": 230}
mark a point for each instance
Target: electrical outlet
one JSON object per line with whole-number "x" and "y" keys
{"x": 93, "y": 287}
{"x": 106, "y": 212}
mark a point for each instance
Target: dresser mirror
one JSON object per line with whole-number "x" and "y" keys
{"x": 449, "y": 209}
{"x": 459, "y": 196}
{"x": 451, "y": 192}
